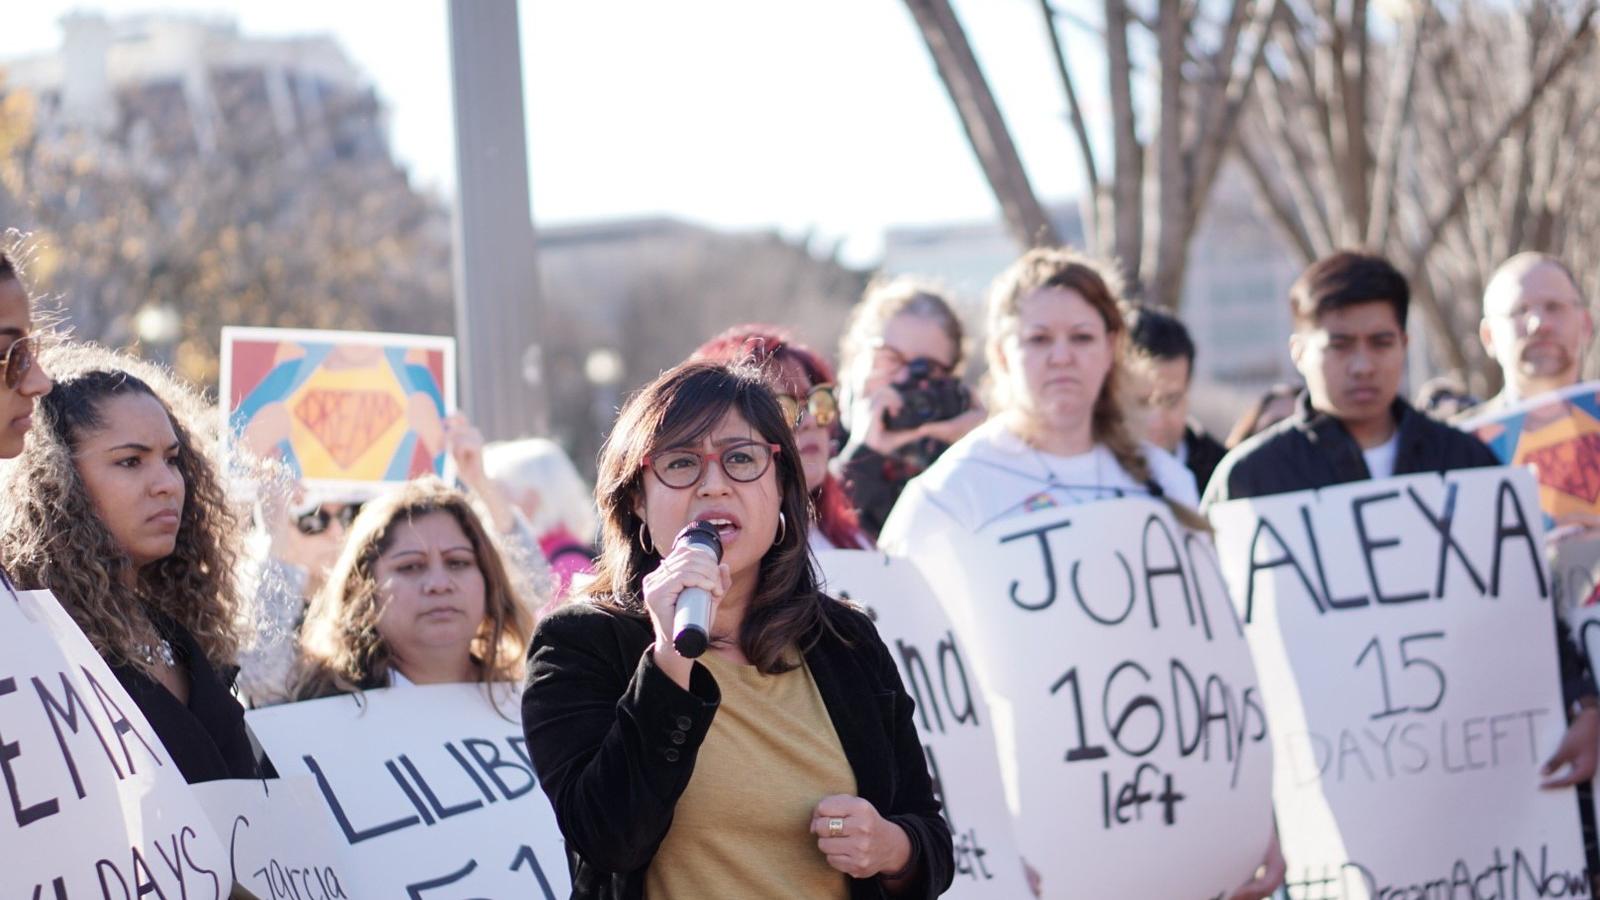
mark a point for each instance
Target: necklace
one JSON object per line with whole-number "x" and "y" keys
{"x": 161, "y": 651}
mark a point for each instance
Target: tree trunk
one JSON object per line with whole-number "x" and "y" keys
{"x": 985, "y": 127}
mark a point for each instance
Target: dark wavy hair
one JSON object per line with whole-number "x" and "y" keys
{"x": 341, "y": 650}
{"x": 772, "y": 350}
{"x": 51, "y": 536}
{"x": 676, "y": 410}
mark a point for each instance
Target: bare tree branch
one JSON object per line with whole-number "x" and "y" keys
{"x": 985, "y": 126}
{"x": 1080, "y": 131}
{"x": 1478, "y": 164}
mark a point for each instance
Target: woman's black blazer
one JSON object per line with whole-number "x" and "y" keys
{"x": 614, "y": 742}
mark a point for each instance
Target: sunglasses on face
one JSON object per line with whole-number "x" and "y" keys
{"x": 17, "y": 361}
{"x": 820, "y": 402}
{"x": 318, "y": 520}
{"x": 744, "y": 463}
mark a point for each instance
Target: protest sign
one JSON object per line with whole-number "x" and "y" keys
{"x": 346, "y": 411}
{"x": 1557, "y": 433}
{"x": 93, "y": 805}
{"x": 952, "y": 716}
{"x": 280, "y": 846}
{"x": 430, "y": 789}
{"x": 1404, "y": 637}
{"x": 1132, "y": 739}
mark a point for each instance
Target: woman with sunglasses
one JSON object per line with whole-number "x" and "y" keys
{"x": 115, "y": 506}
{"x": 901, "y": 398}
{"x": 803, "y": 382}
{"x": 781, "y": 763}
{"x": 421, "y": 594}
{"x": 25, "y": 381}
{"x": 307, "y": 537}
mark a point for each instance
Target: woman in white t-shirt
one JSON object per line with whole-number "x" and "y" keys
{"x": 421, "y": 594}
{"x": 1057, "y": 435}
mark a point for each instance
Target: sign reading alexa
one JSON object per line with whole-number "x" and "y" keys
{"x": 429, "y": 787}
{"x": 1126, "y": 709}
{"x": 93, "y": 806}
{"x": 1405, "y": 639}
{"x": 951, "y": 715}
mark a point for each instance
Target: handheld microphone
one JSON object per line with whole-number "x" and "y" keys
{"x": 691, "y": 621}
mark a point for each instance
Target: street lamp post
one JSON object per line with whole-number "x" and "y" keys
{"x": 498, "y": 308}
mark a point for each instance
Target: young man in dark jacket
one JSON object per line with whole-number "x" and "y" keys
{"x": 1349, "y": 343}
{"x": 1162, "y": 363}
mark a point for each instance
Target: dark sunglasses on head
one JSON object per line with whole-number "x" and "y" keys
{"x": 318, "y": 520}
{"x": 819, "y": 401}
{"x": 17, "y": 361}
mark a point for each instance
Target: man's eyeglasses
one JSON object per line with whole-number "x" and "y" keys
{"x": 819, "y": 401}
{"x": 743, "y": 462}
{"x": 318, "y": 520}
{"x": 17, "y": 361}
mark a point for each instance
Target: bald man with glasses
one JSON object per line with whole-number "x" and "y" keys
{"x": 1536, "y": 325}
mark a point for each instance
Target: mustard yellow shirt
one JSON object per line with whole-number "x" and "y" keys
{"x": 741, "y": 829}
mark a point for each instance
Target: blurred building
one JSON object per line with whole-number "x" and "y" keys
{"x": 169, "y": 86}
{"x": 628, "y": 298}
{"x": 1235, "y": 299}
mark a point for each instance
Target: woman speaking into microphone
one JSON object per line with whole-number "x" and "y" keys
{"x": 782, "y": 762}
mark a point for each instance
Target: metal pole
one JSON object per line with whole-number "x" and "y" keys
{"x": 498, "y": 307}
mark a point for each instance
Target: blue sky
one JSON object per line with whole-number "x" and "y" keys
{"x": 824, "y": 117}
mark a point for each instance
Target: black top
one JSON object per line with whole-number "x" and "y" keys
{"x": 1311, "y": 449}
{"x": 614, "y": 742}
{"x": 206, "y": 737}
{"x": 1203, "y": 453}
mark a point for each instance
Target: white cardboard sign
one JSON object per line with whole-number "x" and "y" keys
{"x": 280, "y": 845}
{"x": 92, "y": 806}
{"x": 430, "y": 789}
{"x": 1132, "y": 738}
{"x": 1404, "y": 637}
{"x": 952, "y": 716}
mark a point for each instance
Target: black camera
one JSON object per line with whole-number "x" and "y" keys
{"x": 927, "y": 398}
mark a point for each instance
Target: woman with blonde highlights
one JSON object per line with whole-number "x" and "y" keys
{"x": 1058, "y": 435}
{"x": 116, "y": 508}
{"x": 419, "y": 595}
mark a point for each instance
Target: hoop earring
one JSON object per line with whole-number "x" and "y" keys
{"x": 645, "y": 543}
{"x": 783, "y": 529}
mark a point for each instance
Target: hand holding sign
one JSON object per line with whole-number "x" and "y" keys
{"x": 1576, "y": 753}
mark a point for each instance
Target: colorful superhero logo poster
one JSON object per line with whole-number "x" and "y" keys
{"x": 1558, "y": 434}
{"x": 344, "y": 410}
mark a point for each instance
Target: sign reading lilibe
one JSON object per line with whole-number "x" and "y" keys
{"x": 430, "y": 789}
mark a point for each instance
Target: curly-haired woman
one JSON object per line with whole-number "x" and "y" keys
{"x": 115, "y": 507}
{"x": 420, "y": 595}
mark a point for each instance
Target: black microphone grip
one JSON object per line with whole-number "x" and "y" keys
{"x": 691, "y": 620}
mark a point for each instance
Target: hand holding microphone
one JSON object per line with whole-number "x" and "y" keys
{"x": 691, "y": 620}
{"x": 682, "y": 594}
